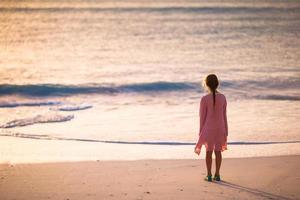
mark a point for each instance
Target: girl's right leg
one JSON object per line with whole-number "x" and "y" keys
{"x": 208, "y": 162}
{"x": 218, "y": 162}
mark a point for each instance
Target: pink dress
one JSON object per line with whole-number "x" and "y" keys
{"x": 213, "y": 123}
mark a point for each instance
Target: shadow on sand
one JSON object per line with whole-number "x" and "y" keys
{"x": 252, "y": 191}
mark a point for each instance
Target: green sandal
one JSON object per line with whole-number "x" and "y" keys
{"x": 208, "y": 178}
{"x": 217, "y": 178}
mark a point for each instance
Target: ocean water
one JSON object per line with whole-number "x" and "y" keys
{"x": 130, "y": 72}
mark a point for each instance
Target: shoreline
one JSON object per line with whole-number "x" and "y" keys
{"x": 23, "y": 150}
{"x": 242, "y": 178}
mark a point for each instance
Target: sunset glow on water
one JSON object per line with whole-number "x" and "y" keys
{"x": 132, "y": 71}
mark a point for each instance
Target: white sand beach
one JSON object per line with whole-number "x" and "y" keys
{"x": 243, "y": 178}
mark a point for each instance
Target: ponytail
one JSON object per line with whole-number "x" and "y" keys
{"x": 214, "y": 96}
{"x": 212, "y": 83}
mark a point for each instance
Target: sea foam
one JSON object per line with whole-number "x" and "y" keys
{"x": 73, "y": 107}
{"x": 47, "y": 118}
{"x": 18, "y": 104}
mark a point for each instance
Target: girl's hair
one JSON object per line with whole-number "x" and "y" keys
{"x": 211, "y": 81}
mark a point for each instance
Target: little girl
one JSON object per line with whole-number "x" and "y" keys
{"x": 213, "y": 125}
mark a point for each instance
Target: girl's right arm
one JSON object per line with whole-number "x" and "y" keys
{"x": 202, "y": 114}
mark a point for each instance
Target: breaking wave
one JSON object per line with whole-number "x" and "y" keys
{"x": 268, "y": 88}
{"x": 65, "y": 90}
